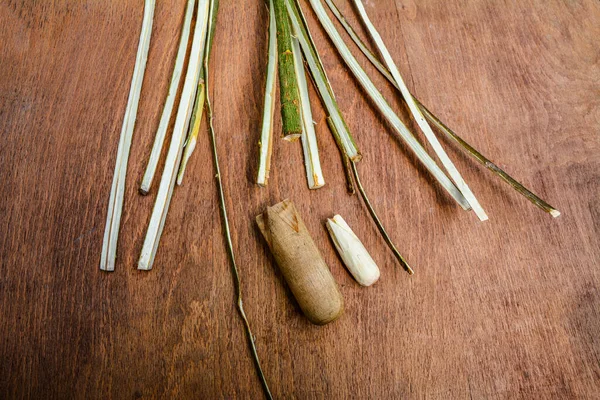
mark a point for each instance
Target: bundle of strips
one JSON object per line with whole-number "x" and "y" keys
{"x": 289, "y": 34}
{"x": 194, "y": 97}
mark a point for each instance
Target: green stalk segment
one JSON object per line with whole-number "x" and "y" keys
{"x": 288, "y": 89}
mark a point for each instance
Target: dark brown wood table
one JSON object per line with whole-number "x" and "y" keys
{"x": 507, "y": 309}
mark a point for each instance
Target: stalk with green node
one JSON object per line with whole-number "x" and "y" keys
{"x": 117, "y": 192}
{"x": 214, "y": 7}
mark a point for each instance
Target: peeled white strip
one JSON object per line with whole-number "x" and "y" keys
{"x": 167, "y": 183}
{"x": 165, "y": 118}
{"x": 312, "y": 163}
{"x": 115, "y": 202}
{"x": 266, "y": 136}
{"x": 356, "y": 258}
{"x": 416, "y": 112}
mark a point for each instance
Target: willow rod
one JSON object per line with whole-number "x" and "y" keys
{"x": 214, "y": 8}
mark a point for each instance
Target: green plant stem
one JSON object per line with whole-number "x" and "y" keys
{"x": 380, "y": 226}
{"x": 490, "y": 165}
{"x": 345, "y": 159}
{"x": 288, "y": 88}
{"x": 213, "y": 139}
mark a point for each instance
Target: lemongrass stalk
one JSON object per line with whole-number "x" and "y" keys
{"x": 384, "y": 107}
{"x": 213, "y": 139}
{"x": 312, "y": 163}
{"x": 195, "y": 123}
{"x": 115, "y": 203}
{"x": 489, "y": 164}
{"x": 165, "y": 118}
{"x": 289, "y": 96}
{"x": 421, "y": 121}
{"x": 322, "y": 84}
{"x": 379, "y": 224}
{"x": 266, "y": 136}
{"x": 518, "y": 186}
{"x": 353, "y": 253}
{"x": 345, "y": 159}
{"x": 169, "y": 175}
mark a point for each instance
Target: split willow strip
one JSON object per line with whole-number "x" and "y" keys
{"x": 165, "y": 118}
{"x": 115, "y": 203}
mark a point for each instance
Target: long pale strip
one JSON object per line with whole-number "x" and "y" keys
{"x": 266, "y": 135}
{"x": 312, "y": 163}
{"x": 354, "y": 254}
{"x": 165, "y": 118}
{"x": 416, "y": 112}
{"x": 167, "y": 183}
{"x": 321, "y": 81}
{"x": 384, "y": 107}
{"x": 115, "y": 203}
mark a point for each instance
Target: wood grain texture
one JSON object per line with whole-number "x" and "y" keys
{"x": 508, "y": 309}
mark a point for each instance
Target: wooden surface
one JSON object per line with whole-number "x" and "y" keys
{"x": 506, "y": 309}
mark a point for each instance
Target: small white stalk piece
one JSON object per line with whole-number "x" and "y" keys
{"x": 356, "y": 258}
{"x": 165, "y": 118}
{"x": 416, "y": 112}
{"x": 169, "y": 175}
{"x": 115, "y": 202}
{"x": 314, "y": 173}
{"x": 266, "y": 135}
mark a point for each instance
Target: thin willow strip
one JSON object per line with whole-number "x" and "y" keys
{"x": 379, "y": 224}
{"x": 320, "y": 79}
{"x": 518, "y": 186}
{"x": 169, "y": 175}
{"x": 312, "y": 162}
{"x": 489, "y": 164}
{"x": 219, "y": 180}
{"x": 266, "y": 136}
{"x": 418, "y": 116}
{"x": 291, "y": 117}
{"x": 345, "y": 159}
{"x": 384, "y": 107}
{"x": 165, "y": 118}
{"x": 115, "y": 203}
{"x": 195, "y": 123}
